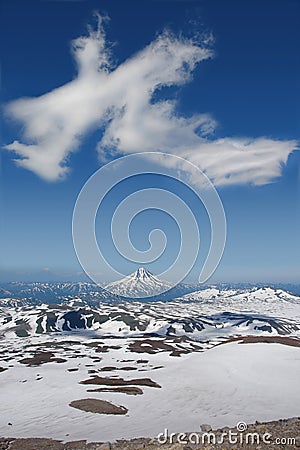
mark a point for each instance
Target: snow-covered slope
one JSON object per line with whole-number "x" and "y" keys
{"x": 204, "y": 319}
{"x": 264, "y": 294}
{"x": 140, "y": 284}
{"x": 222, "y": 386}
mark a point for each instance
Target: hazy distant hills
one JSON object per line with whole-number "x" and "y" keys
{"x": 140, "y": 285}
{"x": 200, "y": 314}
{"x": 53, "y": 292}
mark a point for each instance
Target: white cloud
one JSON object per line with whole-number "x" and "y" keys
{"x": 121, "y": 102}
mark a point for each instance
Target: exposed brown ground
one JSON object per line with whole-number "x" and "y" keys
{"x": 121, "y": 382}
{"x": 98, "y": 406}
{"x": 41, "y": 358}
{"x": 285, "y": 340}
{"x": 111, "y": 368}
{"x": 170, "y": 344}
{"x": 130, "y": 390}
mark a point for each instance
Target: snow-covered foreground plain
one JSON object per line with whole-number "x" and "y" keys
{"x": 226, "y": 384}
{"x": 175, "y": 365}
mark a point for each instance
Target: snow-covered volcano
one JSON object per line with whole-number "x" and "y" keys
{"x": 140, "y": 284}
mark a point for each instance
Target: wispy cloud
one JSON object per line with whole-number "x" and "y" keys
{"x": 120, "y": 101}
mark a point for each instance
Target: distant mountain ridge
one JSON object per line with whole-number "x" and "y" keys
{"x": 263, "y": 294}
{"x": 206, "y": 315}
{"x": 141, "y": 284}
{"x": 52, "y": 292}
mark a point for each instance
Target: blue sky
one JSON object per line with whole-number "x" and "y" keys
{"x": 229, "y": 102}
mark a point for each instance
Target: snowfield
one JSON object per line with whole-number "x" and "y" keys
{"x": 222, "y": 386}
{"x": 212, "y": 356}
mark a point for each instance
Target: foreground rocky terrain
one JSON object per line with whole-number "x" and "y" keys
{"x": 281, "y": 434}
